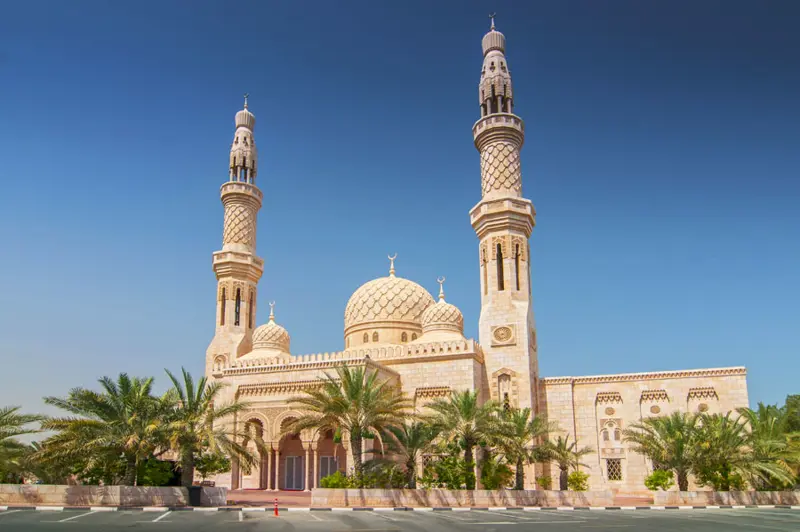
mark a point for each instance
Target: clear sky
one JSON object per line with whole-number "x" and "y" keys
{"x": 662, "y": 155}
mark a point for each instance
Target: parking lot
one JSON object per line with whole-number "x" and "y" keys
{"x": 708, "y": 520}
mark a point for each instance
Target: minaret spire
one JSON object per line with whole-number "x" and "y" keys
{"x": 391, "y": 264}
{"x": 491, "y": 17}
{"x": 503, "y": 221}
{"x": 441, "y": 280}
{"x": 237, "y": 267}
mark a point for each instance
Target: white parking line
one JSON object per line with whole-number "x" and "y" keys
{"x": 160, "y": 517}
{"x": 71, "y": 518}
{"x": 6, "y": 512}
{"x": 386, "y": 517}
{"x": 316, "y": 518}
{"x": 241, "y": 516}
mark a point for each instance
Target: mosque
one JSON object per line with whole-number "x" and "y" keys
{"x": 394, "y": 326}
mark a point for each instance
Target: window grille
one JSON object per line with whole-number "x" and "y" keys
{"x": 614, "y": 468}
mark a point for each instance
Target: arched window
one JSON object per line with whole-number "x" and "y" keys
{"x": 223, "y": 303}
{"x": 605, "y": 435}
{"x": 404, "y": 337}
{"x": 500, "y": 281}
{"x": 238, "y": 308}
{"x": 250, "y": 307}
{"x": 485, "y": 268}
{"x": 374, "y": 337}
{"x": 366, "y": 338}
{"x": 617, "y": 434}
{"x": 516, "y": 264}
{"x": 413, "y": 336}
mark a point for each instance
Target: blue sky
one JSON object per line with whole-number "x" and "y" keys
{"x": 661, "y": 155}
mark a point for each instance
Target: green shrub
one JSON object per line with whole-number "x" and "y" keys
{"x": 578, "y": 481}
{"x": 545, "y": 482}
{"x": 211, "y": 464}
{"x": 153, "y": 472}
{"x": 337, "y": 480}
{"x": 496, "y": 474}
{"x": 659, "y": 480}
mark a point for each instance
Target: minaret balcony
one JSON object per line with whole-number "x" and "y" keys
{"x": 245, "y": 189}
{"x": 505, "y": 124}
{"x": 503, "y": 213}
{"x": 237, "y": 264}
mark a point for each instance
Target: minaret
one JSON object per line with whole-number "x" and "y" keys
{"x": 236, "y": 266}
{"x": 503, "y": 221}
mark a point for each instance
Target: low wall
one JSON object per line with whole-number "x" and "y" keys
{"x": 456, "y": 498}
{"x": 703, "y": 498}
{"x": 58, "y": 495}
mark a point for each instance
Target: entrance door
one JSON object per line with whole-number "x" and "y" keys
{"x": 293, "y": 479}
{"x": 327, "y": 466}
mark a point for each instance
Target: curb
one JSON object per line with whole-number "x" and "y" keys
{"x": 388, "y": 509}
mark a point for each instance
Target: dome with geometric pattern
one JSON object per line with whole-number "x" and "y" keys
{"x": 271, "y": 335}
{"x": 442, "y": 316}
{"x": 387, "y": 302}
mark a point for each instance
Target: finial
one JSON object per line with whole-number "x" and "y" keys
{"x": 440, "y": 280}
{"x": 246, "y": 95}
{"x": 391, "y": 264}
{"x": 491, "y": 17}
{"x": 271, "y": 311}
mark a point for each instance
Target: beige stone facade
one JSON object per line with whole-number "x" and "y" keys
{"x": 396, "y": 327}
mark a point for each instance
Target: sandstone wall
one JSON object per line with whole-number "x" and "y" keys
{"x": 58, "y": 495}
{"x": 702, "y": 498}
{"x": 335, "y": 498}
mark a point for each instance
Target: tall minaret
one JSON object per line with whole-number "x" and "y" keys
{"x": 236, "y": 266}
{"x": 503, "y": 221}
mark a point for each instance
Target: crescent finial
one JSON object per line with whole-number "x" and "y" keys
{"x": 441, "y": 280}
{"x": 271, "y": 311}
{"x": 391, "y": 263}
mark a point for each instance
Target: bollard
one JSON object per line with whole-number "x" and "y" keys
{"x": 276, "y": 507}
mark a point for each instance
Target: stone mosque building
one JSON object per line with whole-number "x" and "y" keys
{"x": 395, "y": 327}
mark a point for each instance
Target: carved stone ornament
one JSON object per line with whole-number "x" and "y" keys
{"x": 503, "y": 335}
{"x": 610, "y": 411}
{"x": 655, "y": 409}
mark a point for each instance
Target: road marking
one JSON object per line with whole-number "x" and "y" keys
{"x": 461, "y": 509}
{"x": 316, "y": 518}
{"x": 290, "y": 509}
{"x": 104, "y": 508}
{"x": 384, "y": 509}
{"x": 241, "y": 516}
{"x": 423, "y": 509}
{"x": 6, "y": 512}
{"x": 341, "y": 509}
{"x": 532, "y": 508}
{"x": 71, "y": 518}
{"x": 49, "y": 508}
{"x": 513, "y": 523}
{"x": 386, "y": 517}
{"x": 3, "y": 508}
{"x": 155, "y": 509}
{"x": 254, "y": 509}
{"x": 160, "y": 517}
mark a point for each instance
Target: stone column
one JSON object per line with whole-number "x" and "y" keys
{"x": 269, "y": 466}
{"x": 306, "y": 484}
{"x": 314, "y": 466}
{"x": 276, "y": 486}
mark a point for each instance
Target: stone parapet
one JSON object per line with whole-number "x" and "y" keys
{"x": 624, "y": 377}
{"x": 703, "y": 498}
{"x": 457, "y": 498}
{"x": 62, "y": 495}
{"x": 387, "y": 355}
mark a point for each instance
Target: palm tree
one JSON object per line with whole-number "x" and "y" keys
{"x": 727, "y": 451}
{"x": 518, "y": 439}
{"x": 769, "y": 440}
{"x": 462, "y": 417}
{"x": 408, "y": 443}
{"x": 668, "y": 441}
{"x": 121, "y": 421}
{"x": 196, "y": 423}
{"x": 12, "y": 425}
{"x": 353, "y": 401}
{"x": 566, "y": 455}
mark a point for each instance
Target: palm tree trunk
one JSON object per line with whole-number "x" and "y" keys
{"x": 129, "y": 479}
{"x": 519, "y": 483}
{"x": 683, "y": 480}
{"x": 356, "y": 444}
{"x": 411, "y": 474}
{"x": 470, "y": 463}
{"x": 562, "y": 480}
{"x": 187, "y": 469}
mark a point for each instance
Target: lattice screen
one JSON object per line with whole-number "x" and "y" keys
{"x": 614, "y": 468}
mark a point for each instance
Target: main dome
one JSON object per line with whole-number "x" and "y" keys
{"x": 386, "y": 299}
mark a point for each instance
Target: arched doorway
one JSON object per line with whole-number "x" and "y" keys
{"x": 330, "y": 457}
{"x": 292, "y": 456}
{"x": 255, "y": 476}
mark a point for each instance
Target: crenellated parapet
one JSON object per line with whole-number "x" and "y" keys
{"x": 387, "y": 355}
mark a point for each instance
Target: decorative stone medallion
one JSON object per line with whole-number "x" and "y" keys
{"x": 610, "y": 411}
{"x": 655, "y": 409}
{"x": 702, "y": 407}
{"x": 503, "y": 335}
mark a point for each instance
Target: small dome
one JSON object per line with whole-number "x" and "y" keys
{"x": 271, "y": 336}
{"x": 494, "y": 40}
{"x": 442, "y": 316}
{"x": 386, "y": 299}
{"x": 245, "y": 118}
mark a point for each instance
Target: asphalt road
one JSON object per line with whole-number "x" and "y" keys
{"x": 709, "y": 520}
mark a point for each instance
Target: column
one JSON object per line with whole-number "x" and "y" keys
{"x": 306, "y": 483}
{"x": 314, "y": 466}
{"x": 269, "y": 466}
{"x": 277, "y": 469}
